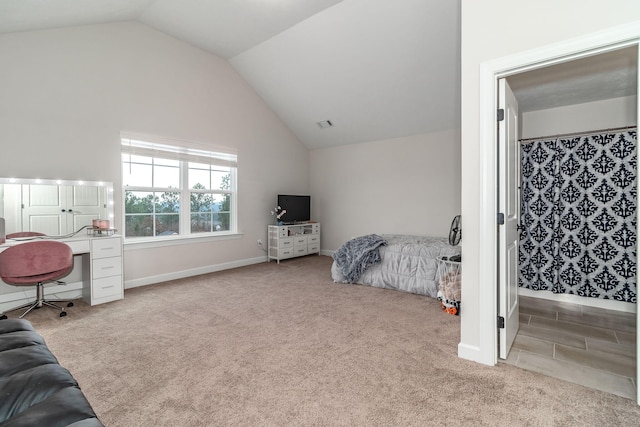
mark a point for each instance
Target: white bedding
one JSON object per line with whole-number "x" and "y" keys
{"x": 408, "y": 264}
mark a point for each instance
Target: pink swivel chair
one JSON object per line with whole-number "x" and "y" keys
{"x": 33, "y": 264}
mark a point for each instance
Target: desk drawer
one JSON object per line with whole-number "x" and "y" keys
{"x": 106, "y": 287}
{"x": 78, "y": 246}
{"x": 103, "y": 248}
{"x": 105, "y": 267}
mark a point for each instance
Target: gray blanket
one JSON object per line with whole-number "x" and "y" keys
{"x": 356, "y": 255}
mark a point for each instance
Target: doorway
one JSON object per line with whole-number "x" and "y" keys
{"x": 562, "y": 336}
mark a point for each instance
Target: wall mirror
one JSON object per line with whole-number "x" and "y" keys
{"x": 53, "y": 207}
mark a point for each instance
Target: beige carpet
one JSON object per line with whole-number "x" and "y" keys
{"x": 282, "y": 345}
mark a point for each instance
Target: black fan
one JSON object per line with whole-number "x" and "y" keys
{"x": 455, "y": 232}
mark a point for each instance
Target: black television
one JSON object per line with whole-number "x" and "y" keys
{"x": 298, "y": 208}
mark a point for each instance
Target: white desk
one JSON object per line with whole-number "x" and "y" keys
{"x": 102, "y": 279}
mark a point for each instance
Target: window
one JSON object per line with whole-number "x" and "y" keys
{"x": 174, "y": 190}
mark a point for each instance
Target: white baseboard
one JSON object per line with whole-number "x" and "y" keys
{"x": 473, "y": 353}
{"x": 174, "y": 275}
{"x": 15, "y": 299}
{"x": 576, "y": 299}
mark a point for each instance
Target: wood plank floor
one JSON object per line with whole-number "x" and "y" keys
{"x": 584, "y": 345}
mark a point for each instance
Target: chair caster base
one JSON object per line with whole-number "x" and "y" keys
{"x": 70, "y": 304}
{"x": 63, "y": 313}
{"x": 4, "y": 316}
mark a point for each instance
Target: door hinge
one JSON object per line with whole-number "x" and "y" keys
{"x": 500, "y": 218}
{"x": 500, "y": 322}
{"x": 500, "y": 114}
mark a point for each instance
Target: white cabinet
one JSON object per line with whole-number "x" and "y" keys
{"x": 289, "y": 241}
{"x": 105, "y": 282}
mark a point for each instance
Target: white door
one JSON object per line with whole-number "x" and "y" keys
{"x": 84, "y": 204}
{"x": 509, "y": 217}
{"x": 58, "y": 210}
{"x": 43, "y": 209}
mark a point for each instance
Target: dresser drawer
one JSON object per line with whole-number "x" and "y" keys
{"x": 103, "y": 248}
{"x": 300, "y": 241}
{"x": 314, "y": 248}
{"x": 286, "y": 253}
{"x": 314, "y": 238}
{"x": 286, "y": 242}
{"x": 106, "y": 287}
{"x": 300, "y": 250}
{"x": 105, "y": 267}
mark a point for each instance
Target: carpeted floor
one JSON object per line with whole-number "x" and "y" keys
{"x": 282, "y": 345}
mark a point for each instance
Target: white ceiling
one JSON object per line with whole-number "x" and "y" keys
{"x": 375, "y": 69}
{"x": 594, "y": 78}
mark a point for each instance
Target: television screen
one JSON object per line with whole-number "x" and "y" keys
{"x": 298, "y": 208}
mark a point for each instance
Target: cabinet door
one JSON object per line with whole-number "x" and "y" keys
{"x": 44, "y": 209}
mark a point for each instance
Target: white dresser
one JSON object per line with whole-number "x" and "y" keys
{"x": 289, "y": 241}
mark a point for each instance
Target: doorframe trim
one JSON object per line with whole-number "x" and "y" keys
{"x": 490, "y": 71}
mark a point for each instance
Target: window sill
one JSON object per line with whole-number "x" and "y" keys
{"x": 158, "y": 242}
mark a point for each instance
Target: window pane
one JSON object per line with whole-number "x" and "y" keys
{"x": 221, "y": 221}
{"x": 220, "y": 179}
{"x": 167, "y": 202}
{"x": 201, "y": 222}
{"x": 166, "y": 177}
{"x": 222, "y": 208}
{"x": 136, "y": 175}
{"x": 199, "y": 179}
{"x": 201, "y": 202}
{"x": 138, "y": 225}
{"x": 167, "y": 224}
{"x": 138, "y": 202}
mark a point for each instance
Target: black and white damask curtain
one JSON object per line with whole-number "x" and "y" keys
{"x": 578, "y": 215}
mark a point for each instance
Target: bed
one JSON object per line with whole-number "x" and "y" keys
{"x": 404, "y": 263}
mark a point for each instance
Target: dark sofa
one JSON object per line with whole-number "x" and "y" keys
{"x": 34, "y": 389}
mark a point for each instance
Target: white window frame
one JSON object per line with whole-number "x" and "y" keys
{"x": 183, "y": 152}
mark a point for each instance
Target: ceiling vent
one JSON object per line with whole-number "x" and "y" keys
{"x": 325, "y": 124}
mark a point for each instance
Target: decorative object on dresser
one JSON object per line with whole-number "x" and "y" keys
{"x": 289, "y": 241}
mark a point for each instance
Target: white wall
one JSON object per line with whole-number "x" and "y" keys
{"x": 492, "y": 30}
{"x": 66, "y": 95}
{"x": 407, "y": 185}
{"x": 607, "y": 114}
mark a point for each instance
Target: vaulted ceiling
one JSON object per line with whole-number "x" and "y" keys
{"x": 373, "y": 69}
